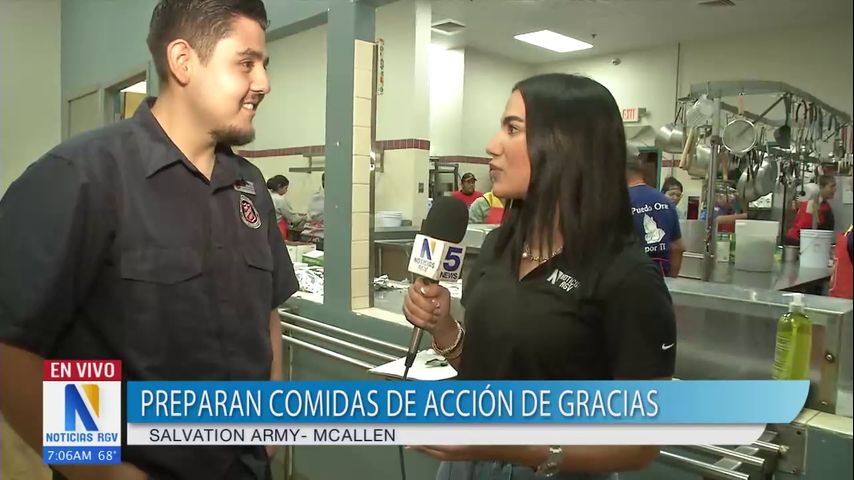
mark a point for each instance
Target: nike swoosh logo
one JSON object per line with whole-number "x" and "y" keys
{"x": 667, "y": 347}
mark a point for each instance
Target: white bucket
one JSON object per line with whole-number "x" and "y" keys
{"x": 388, "y": 219}
{"x": 755, "y": 243}
{"x": 722, "y": 251}
{"x": 815, "y": 248}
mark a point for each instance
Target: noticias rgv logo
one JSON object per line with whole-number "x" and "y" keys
{"x": 427, "y": 248}
{"x": 81, "y": 412}
{"x": 76, "y": 408}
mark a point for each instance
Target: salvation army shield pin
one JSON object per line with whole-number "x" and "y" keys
{"x": 248, "y": 212}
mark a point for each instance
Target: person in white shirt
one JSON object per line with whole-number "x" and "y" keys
{"x": 285, "y": 215}
{"x": 314, "y": 226}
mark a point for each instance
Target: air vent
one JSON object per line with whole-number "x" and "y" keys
{"x": 448, "y": 27}
{"x": 717, "y": 3}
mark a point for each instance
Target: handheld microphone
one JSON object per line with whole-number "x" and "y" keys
{"x": 436, "y": 254}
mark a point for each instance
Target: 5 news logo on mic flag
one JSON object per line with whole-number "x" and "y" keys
{"x": 82, "y": 412}
{"x": 436, "y": 259}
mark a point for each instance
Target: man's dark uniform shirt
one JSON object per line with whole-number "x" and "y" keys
{"x": 114, "y": 246}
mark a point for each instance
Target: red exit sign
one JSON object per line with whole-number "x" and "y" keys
{"x": 631, "y": 115}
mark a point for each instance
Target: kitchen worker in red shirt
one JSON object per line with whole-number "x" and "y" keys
{"x": 467, "y": 192}
{"x": 814, "y": 211}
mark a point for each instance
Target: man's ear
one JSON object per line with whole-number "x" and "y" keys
{"x": 179, "y": 58}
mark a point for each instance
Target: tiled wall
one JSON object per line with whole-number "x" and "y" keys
{"x": 318, "y": 150}
{"x": 397, "y": 189}
{"x": 362, "y": 120}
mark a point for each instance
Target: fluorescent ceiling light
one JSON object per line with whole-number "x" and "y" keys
{"x": 136, "y": 88}
{"x": 553, "y": 41}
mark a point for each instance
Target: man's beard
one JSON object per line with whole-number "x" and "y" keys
{"x": 233, "y": 136}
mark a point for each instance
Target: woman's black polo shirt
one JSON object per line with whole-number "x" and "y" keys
{"x": 555, "y": 324}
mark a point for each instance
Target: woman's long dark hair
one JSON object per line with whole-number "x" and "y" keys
{"x": 577, "y": 147}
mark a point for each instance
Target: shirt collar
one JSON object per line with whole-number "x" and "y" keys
{"x": 159, "y": 151}
{"x": 226, "y": 170}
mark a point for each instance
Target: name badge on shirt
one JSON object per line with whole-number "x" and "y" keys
{"x": 244, "y": 186}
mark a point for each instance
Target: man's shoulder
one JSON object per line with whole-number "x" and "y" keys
{"x": 92, "y": 154}
{"x": 646, "y": 195}
{"x": 109, "y": 139}
{"x": 481, "y": 200}
{"x": 646, "y": 191}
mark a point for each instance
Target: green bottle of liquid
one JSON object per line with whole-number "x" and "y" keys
{"x": 794, "y": 342}
{"x": 732, "y": 248}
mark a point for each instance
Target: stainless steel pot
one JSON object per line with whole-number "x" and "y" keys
{"x": 767, "y": 177}
{"x": 670, "y": 138}
{"x": 699, "y": 167}
{"x": 758, "y": 179}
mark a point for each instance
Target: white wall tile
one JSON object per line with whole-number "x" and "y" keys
{"x": 361, "y": 198}
{"x": 361, "y": 141}
{"x": 360, "y": 254}
{"x": 360, "y": 227}
{"x": 361, "y": 112}
{"x": 364, "y": 55}
{"x": 361, "y": 169}
{"x": 359, "y": 282}
{"x": 363, "y": 83}
{"x": 358, "y": 303}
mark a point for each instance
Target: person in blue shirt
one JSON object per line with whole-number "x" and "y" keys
{"x": 727, "y": 211}
{"x": 655, "y": 218}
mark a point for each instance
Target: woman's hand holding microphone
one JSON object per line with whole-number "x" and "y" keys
{"x": 428, "y": 306}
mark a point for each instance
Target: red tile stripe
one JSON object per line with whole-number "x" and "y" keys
{"x": 398, "y": 144}
{"x": 463, "y": 159}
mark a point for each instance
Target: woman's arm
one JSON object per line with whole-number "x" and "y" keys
{"x": 576, "y": 458}
{"x": 595, "y": 458}
{"x": 730, "y": 219}
{"x": 428, "y": 306}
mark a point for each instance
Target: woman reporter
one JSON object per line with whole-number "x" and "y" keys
{"x": 561, "y": 291}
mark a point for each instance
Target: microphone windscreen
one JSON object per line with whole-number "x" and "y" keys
{"x": 447, "y": 220}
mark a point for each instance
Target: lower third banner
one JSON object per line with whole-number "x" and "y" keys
{"x": 458, "y": 413}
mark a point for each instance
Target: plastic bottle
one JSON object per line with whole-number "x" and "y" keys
{"x": 723, "y": 247}
{"x": 794, "y": 342}
{"x": 732, "y": 248}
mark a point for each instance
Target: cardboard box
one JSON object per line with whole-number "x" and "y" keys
{"x": 313, "y": 258}
{"x": 296, "y": 250}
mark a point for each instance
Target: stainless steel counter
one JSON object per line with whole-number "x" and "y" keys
{"x": 784, "y": 276}
{"x": 392, "y": 301}
{"x": 406, "y": 245}
{"x": 391, "y": 258}
{"x": 395, "y": 233}
{"x": 727, "y": 331}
